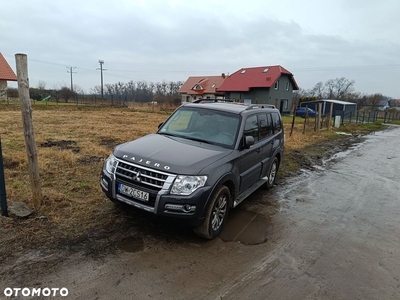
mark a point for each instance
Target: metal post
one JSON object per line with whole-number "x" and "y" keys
{"x": 3, "y": 196}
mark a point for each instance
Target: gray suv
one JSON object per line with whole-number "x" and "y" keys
{"x": 205, "y": 159}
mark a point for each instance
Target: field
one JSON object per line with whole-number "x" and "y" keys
{"x": 72, "y": 144}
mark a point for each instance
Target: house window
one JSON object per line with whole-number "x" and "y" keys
{"x": 213, "y": 86}
{"x": 285, "y": 104}
{"x": 198, "y": 87}
{"x": 287, "y": 85}
{"x": 265, "y": 70}
{"x": 243, "y": 71}
{"x": 276, "y": 86}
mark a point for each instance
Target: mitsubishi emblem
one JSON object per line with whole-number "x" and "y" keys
{"x": 137, "y": 177}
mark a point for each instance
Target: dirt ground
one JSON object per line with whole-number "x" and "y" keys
{"x": 42, "y": 247}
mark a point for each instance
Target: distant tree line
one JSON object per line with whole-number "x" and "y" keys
{"x": 140, "y": 91}
{"x": 340, "y": 89}
{"x": 63, "y": 94}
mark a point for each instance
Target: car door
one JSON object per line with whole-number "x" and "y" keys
{"x": 250, "y": 159}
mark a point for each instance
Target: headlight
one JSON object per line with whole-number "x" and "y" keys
{"x": 185, "y": 185}
{"x": 110, "y": 164}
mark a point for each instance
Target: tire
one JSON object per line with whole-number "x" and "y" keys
{"x": 216, "y": 215}
{"x": 273, "y": 170}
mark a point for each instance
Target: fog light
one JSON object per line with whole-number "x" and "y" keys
{"x": 189, "y": 208}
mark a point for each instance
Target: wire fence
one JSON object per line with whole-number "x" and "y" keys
{"x": 370, "y": 116}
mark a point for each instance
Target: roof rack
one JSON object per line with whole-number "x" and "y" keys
{"x": 252, "y": 106}
{"x": 203, "y": 100}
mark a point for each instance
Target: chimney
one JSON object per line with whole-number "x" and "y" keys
{"x": 223, "y": 75}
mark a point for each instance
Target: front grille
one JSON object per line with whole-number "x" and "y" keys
{"x": 139, "y": 176}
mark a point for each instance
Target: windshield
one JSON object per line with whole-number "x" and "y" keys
{"x": 203, "y": 125}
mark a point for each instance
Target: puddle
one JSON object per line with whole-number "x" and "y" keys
{"x": 246, "y": 227}
{"x": 131, "y": 244}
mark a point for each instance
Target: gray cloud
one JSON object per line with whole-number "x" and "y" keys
{"x": 171, "y": 40}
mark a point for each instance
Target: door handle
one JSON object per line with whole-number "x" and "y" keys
{"x": 258, "y": 150}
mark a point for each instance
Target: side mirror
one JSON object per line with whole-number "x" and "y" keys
{"x": 248, "y": 141}
{"x": 161, "y": 124}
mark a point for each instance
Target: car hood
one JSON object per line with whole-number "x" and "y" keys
{"x": 170, "y": 154}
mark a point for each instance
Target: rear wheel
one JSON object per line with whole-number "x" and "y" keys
{"x": 273, "y": 170}
{"x": 217, "y": 213}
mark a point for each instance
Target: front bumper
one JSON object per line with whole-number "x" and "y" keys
{"x": 161, "y": 202}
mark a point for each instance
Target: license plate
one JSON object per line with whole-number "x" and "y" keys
{"x": 134, "y": 193}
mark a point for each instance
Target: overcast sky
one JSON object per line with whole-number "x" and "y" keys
{"x": 172, "y": 40}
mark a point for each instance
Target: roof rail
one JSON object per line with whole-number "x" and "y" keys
{"x": 251, "y": 106}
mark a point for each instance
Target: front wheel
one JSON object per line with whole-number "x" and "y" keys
{"x": 273, "y": 170}
{"x": 217, "y": 213}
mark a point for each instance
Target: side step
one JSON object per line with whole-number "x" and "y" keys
{"x": 249, "y": 191}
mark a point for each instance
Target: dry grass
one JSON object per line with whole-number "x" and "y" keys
{"x": 72, "y": 143}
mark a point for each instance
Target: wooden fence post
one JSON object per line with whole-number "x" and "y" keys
{"x": 294, "y": 117}
{"x": 318, "y": 117}
{"x": 26, "y": 110}
{"x": 330, "y": 116}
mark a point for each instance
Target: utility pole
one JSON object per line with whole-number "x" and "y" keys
{"x": 71, "y": 72}
{"x": 101, "y": 62}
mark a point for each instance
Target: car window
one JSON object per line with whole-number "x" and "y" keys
{"x": 181, "y": 120}
{"x": 251, "y": 127}
{"x": 276, "y": 121}
{"x": 210, "y": 126}
{"x": 265, "y": 125}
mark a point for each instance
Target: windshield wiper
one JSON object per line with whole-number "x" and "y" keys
{"x": 198, "y": 140}
{"x": 166, "y": 133}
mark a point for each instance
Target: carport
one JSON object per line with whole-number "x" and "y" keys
{"x": 340, "y": 108}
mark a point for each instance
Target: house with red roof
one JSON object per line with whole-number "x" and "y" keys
{"x": 6, "y": 74}
{"x": 394, "y": 103}
{"x": 202, "y": 87}
{"x": 261, "y": 85}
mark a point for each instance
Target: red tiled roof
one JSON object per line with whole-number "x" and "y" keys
{"x": 208, "y": 84}
{"x": 258, "y": 77}
{"x": 6, "y": 73}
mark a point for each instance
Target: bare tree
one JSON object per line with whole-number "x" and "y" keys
{"x": 298, "y": 95}
{"x": 338, "y": 88}
{"x": 66, "y": 94}
{"x": 96, "y": 90}
{"x": 374, "y": 101}
{"x": 318, "y": 91}
{"x": 78, "y": 90}
{"x": 41, "y": 85}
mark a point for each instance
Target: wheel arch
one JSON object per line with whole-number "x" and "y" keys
{"x": 230, "y": 182}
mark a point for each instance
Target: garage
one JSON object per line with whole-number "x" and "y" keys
{"x": 340, "y": 108}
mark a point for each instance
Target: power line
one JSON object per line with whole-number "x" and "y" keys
{"x": 101, "y": 62}
{"x": 71, "y": 72}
